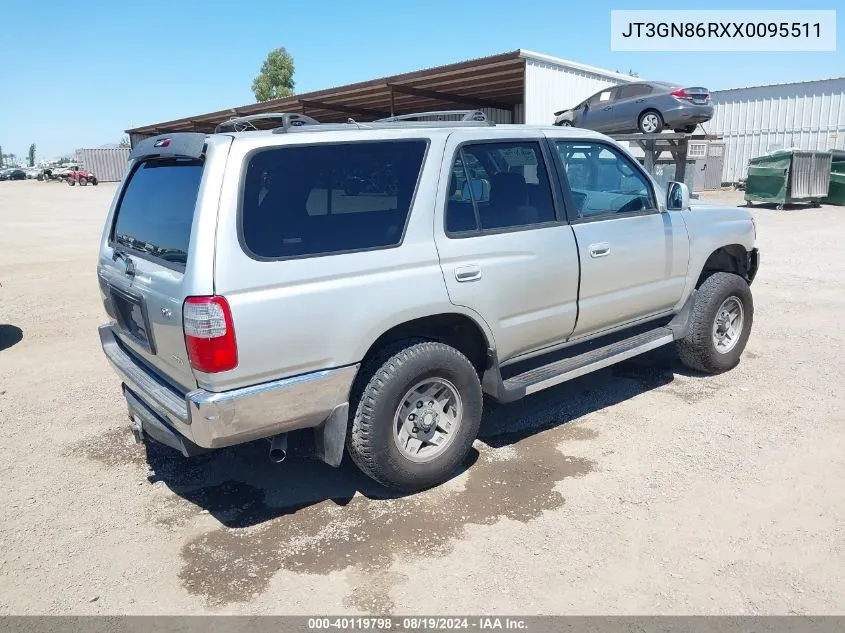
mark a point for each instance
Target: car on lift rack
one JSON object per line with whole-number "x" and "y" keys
{"x": 646, "y": 107}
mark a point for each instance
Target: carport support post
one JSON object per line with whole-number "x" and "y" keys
{"x": 392, "y": 109}
{"x": 679, "y": 153}
{"x": 648, "y": 152}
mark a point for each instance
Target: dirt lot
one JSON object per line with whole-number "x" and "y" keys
{"x": 640, "y": 489}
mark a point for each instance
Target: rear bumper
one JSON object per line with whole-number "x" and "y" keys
{"x": 216, "y": 419}
{"x": 687, "y": 114}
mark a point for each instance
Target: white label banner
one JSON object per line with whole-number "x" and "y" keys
{"x": 722, "y": 30}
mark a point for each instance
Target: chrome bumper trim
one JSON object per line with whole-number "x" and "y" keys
{"x": 214, "y": 420}
{"x": 166, "y": 399}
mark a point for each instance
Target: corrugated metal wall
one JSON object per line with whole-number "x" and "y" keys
{"x": 754, "y": 121}
{"x": 107, "y": 164}
{"x": 550, "y": 87}
{"x": 136, "y": 138}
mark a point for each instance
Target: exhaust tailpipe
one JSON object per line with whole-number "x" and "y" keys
{"x": 279, "y": 448}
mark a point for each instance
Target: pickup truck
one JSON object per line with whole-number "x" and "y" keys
{"x": 370, "y": 283}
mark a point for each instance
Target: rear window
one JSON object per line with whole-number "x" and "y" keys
{"x": 156, "y": 210}
{"x": 329, "y": 198}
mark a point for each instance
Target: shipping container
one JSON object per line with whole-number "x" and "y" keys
{"x": 108, "y": 164}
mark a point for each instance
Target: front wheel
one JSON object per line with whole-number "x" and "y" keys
{"x": 416, "y": 416}
{"x": 720, "y": 323}
{"x": 93, "y": 181}
{"x": 71, "y": 181}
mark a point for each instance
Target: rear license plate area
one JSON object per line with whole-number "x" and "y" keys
{"x": 131, "y": 316}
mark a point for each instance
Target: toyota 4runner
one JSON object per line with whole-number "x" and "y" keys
{"x": 370, "y": 282}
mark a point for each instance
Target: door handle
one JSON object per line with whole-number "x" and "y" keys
{"x": 639, "y": 100}
{"x": 607, "y": 107}
{"x": 601, "y": 249}
{"x": 468, "y": 273}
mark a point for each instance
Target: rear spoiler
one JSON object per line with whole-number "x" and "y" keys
{"x": 178, "y": 144}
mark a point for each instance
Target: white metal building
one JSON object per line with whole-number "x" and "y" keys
{"x": 755, "y": 120}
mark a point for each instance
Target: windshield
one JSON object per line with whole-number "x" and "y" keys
{"x": 156, "y": 210}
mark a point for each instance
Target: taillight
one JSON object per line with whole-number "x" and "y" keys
{"x": 687, "y": 96}
{"x": 209, "y": 334}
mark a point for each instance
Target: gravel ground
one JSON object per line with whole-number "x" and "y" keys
{"x": 640, "y": 489}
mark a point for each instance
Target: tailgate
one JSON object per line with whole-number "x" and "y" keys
{"x": 148, "y": 259}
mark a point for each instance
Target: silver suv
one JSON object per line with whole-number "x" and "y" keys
{"x": 370, "y": 282}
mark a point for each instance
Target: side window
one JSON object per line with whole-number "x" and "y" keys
{"x": 603, "y": 181}
{"x": 327, "y": 198}
{"x": 498, "y": 186}
{"x": 632, "y": 91}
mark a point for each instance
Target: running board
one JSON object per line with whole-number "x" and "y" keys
{"x": 560, "y": 371}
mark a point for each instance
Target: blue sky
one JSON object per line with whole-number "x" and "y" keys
{"x": 74, "y": 75}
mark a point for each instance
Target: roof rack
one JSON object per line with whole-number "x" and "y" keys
{"x": 473, "y": 116}
{"x": 244, "y": 123}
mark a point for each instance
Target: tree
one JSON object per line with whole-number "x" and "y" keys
{"x": 276, "y": 77}
{"x": 1, "y": 156}
{"x": 124, "y": 142}
{"x": 31, "y": 155}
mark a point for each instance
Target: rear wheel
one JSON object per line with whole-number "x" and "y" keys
{"x": 416, "y": 415}
{"x": 720, "y": 323}
{"x": 565, "y": 124}
{"x": 650, "y": 122}
{"x": 93, "y": 181}
{"x": 83, "y": 181}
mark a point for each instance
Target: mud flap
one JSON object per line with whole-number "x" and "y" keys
{"x": 330, "y": 436}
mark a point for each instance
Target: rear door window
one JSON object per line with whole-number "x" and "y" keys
{"x": 329, "y": 198}
{"x": 498, "y": 186}
{"x": 156, "y": 209}
{"x": 633, "y": 90}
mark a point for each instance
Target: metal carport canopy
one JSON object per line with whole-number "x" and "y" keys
{"x": 488, "y": 82}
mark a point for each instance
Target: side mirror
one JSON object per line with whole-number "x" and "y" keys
{"x": 480, "y": 192}
{"x": 677, "y": 197}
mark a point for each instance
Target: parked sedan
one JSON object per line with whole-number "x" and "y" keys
{"x": 12, "y": 174}
{"x": 646, "y": 107}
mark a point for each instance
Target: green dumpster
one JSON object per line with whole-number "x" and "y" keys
{"x": 836, "y": 191}
{"x": 788, "y": 176}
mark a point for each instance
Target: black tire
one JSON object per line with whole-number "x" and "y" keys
{"x": 658, "y": 126}
{"x": 70, "y": 181}
{"x": 94, "y": 181}
{"x": 689, "y": 129}
{"x": 382, "y": 384}
{"x": 565, "y": 124}
{"x": 697, "y": 349}
{"x": 83, "y": 182}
